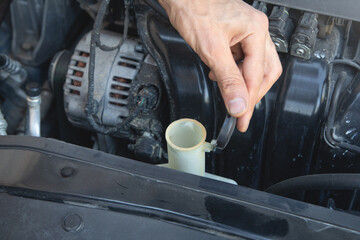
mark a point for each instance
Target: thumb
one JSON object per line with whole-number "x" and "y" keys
{"x": 231, "y": 82}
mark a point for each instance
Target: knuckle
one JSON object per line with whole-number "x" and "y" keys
{"x": 229, "y": 84}
{"x": 209, "y": 50}
{"x": 274, "y": 75}
{"x": 262, "y": 20}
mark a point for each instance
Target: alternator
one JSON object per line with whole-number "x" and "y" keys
{"x": 114, "y": 73}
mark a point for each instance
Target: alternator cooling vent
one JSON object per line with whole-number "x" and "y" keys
{"x": 120, "y": 86}
{"x": 114, "y": 74}
{"x": 119, "y": 91}
{"x": 76, "y": 71}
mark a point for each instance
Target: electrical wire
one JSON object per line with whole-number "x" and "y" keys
{"x": 91, "y": 106}
{"x": 97, "y": 27}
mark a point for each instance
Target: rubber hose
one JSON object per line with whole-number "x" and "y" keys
{"x": 336, "y": 181}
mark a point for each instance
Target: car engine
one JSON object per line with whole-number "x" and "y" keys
{"x": 112, "y": 77}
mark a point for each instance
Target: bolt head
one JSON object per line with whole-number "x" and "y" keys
{"x": 300, "y": 51}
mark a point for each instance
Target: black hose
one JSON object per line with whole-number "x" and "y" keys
{"x": 350, "y": 147}
{"x": 346, "y": 62}
{"x": 336, "y": 181}
{"x": 332, "y": 110}
{"x": 331, "y": 119}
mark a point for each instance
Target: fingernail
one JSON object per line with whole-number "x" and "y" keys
{"x": 236, "y": 106}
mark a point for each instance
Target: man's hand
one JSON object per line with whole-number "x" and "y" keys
{"x": 232, "y": 39}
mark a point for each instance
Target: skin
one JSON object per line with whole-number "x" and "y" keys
{"x": 233, "y": 40}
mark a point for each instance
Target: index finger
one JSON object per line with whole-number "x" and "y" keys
{"x": 253, "y": 47}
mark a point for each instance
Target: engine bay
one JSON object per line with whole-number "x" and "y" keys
{"x": 112, "y": 79}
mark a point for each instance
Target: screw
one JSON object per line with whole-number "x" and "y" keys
{"x": 300, "y": 51}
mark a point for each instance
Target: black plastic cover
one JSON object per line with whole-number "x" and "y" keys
{"x": 45, "y": 182}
